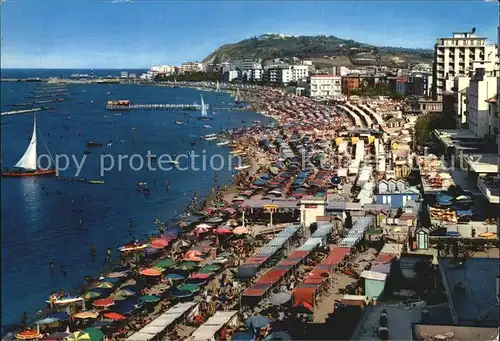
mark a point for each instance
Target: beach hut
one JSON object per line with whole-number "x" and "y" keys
{"x": 374, "y": 283}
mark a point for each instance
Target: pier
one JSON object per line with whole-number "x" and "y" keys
{"x": 17, "y": 112}
{"x": 156, "y": 107}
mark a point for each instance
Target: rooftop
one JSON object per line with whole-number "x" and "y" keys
{"x": 460, "y": 333}
{"x": 477, "y": 305}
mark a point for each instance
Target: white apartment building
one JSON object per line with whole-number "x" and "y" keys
{"x": 252, "y": 75}
{"x": 231, "y": 75}
{"x": 482, "y": 87}
{"x": 246, "y": 64}
{"x": 454, "y": 56}
{"x": 191, "y": 67}
{"x": 124, "y": 74}
{"x": 327, "y": 86}
{"x": 299, "y": 72}
{"x": 460, "y": 87}
{"x": 278, "y": 75}
{"x": 163, "y": 69}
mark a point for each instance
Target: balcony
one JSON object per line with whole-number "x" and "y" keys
{"x": 489, "y": 187}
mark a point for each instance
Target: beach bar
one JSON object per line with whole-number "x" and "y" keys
{"x": 215, "y": 324}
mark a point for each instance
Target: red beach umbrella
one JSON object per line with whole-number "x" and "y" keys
{"x": 103, "y": 303}
{"x": 192, "y": 253}
{"x": 223, "y": 230}
{"x": 200, "y": 276}
{"x": 150, "y": 272}
{"x": 159, "y": 243}
{"x": 115, "y": 316}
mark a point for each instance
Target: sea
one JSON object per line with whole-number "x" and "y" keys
{"x": 45, "y": 219}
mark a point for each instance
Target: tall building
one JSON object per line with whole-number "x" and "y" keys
{"x": 454, "y": 57}
{"x": 279, "y": 75}
{"x": 191, "y": 67}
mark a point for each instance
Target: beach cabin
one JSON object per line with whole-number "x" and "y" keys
{"x": 422, "y": 238}
{"x": 374, "y": 283}
{"x": 396, "y": 199}
{"x": 310, "y": 209}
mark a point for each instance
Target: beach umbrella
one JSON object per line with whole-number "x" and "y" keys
{"x": 78, "y": 336}
{"x": 115, "y": 316}
{"x": 199, "y": 276}
{"x": 117, "y": 274}
{"x": 28, "y": 335}
{"x": 189, "y": 287}
{"x": 303, "y": 307}
{"x": 127, "y": 306}
{"x": 61, "y": 316}
{"x": 175, "y": 277}
{"x": 160, "y": 287}
{"x": 111, "y": 280}
{"x": 47, "y": 320}
{"x": 214, "y": 220}
{"x": 240, "y": 230}
{"x": 256, "y": 322}
{"x": 159, "y": 243}
{"x": 243, "y": 336}
{"x": 103, "y": 303}
{"x": 213, "y": 267}
{"x": 150, "y": 272}
{"x": 165, "y": 263}
{"x": 150, "y": 251}
{"x": 94, "y": 333}
{"x": 149, "y": 299}
{"x": 223, "y": 230}
{"x": 278, "y": 336}
{"x": 206, "y": 226}
{"x": 181, "y": 294}
{"x": 86, "y": 315}
{"x": 91, "y": 295}
{"x": 104, "y": 285}
{"x": 199, "y": 230}
{"x": 125, "y": 293}
{"x": 193, "y": 253}
{"x": 280, "y": 298}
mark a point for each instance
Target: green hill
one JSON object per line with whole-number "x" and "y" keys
{"x": 325, "y": 50}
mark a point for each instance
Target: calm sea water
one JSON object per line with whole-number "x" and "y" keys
{"x": 41, "y": 216}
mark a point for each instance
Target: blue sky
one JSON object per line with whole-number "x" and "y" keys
{"x": 138, "y": 34}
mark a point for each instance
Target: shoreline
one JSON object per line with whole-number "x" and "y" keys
{"x": 230, "y": 188}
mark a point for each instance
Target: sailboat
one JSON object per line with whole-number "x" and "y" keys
{"x": 237, "y": 98}
{"x": 175, "y": 83}
{"x": 27, "y": 165}
{"x": 204, "y": 114}
{"x": 217, "y": 88}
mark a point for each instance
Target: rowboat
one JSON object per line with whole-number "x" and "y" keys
{"x": 96, "y": 182}
{"x": 223, "y": 143}
{"x": 242, "y": 167}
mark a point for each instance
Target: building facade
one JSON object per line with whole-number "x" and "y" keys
{"x": 299, "y": 72}
{"x": 230, "y": 76}
{"x": 326, "y": 86}
{"x": 481, "y": 88}
{"x": 278, "y": 75}
{"x": 350, "y": 83}
{"x": 454, "y": 56}
{"x": 191, "y": 67}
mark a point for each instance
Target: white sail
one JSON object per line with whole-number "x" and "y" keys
{"x": 203, "y": 108}
{"x": 28, "y": 160}
{"x": 218, "y": 87}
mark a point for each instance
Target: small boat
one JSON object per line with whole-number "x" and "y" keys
{"x": 173, "y": 162}
{"x": 204, "y": 113}
{"x": 223, "y": 143}
{"x": 135, "y": 247}
{"x": 242, "y": 167}
{"x": 207, "y": 126}
{"x": 109, "y": 93}
{"x": 96, "y": 182}
{"x": 142, "y": 187}
{"x": 93, "y": 144}
{"x": 210, "y": 135}
{"x": 256, "y": 122}
{"x": 27, "y": 165}
{"x": 118, "y": 114}
{"x": 211, "y": 138}
{"x": 179, "y": 122}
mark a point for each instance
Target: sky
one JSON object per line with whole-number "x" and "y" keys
{"x": 142, "y": 33}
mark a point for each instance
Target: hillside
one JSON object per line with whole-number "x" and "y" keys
{"x": 325, "y": 50}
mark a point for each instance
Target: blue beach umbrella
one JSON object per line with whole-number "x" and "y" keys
{"x": 181, "y": 294}
{"x": 243, "y": 336}
{"x": 60, "y": 316}
{"x": 175, "y": 277}
{"x": 113, "y": 280}
{"x": 256, "y": 322}
{"x": 47, "y": 320}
